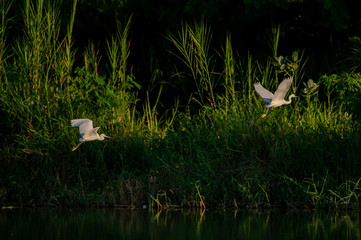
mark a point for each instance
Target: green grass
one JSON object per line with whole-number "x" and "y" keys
{"x": 216, "y": 151}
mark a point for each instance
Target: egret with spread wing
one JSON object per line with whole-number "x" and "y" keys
{"x": 276, "y": 99}
{"x": 87, "y": 132}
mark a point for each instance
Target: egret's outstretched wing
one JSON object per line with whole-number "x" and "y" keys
{"x": 266, "y": 95}
{"x": 283, "y": 89}
{"x": 83, "y": 124}
{"x": 91, "y": 133}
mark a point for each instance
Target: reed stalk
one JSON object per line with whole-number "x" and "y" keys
{"x": 229, "y": 74}
{"x": 193, "y": 42}
{"x": 118, "y": 53}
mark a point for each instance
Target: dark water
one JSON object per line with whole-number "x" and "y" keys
{"x": 147, "y": 224}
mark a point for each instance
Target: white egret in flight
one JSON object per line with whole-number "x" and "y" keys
{"x": 276, "y": 99}
{"x": 87, "y": 131}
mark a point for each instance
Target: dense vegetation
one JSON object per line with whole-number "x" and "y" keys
{"x": 180, "y": 107}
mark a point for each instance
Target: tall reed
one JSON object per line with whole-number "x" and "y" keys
{"x": 118, "y": 53}
{"x": 229, "y": 73}
{"x": 4, "y": 9}
{"x": 193, "y": 42}
{"x": 29, "y": 96}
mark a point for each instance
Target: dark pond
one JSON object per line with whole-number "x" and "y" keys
{"x": 180, "y": 224}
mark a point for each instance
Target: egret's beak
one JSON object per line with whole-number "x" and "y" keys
{"x": 107, "y": 137}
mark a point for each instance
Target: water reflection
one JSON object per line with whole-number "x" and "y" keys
{"x": 180, "y": 224}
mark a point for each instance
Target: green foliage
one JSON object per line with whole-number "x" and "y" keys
{"x": 342, "y": 87}
{"x": 223, "y": 154}
{"x": 344, "y": 90}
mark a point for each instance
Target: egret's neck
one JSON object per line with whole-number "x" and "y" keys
{"x": 290, "y": 99}
{"x": 102, "y": 136}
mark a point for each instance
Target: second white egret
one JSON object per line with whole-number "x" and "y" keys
{"x": 276, "y": 99}
{"x": 87, "y": 132}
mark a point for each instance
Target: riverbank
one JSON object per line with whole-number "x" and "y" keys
{"x": 216, "y": 160}
{"x": 206, "y": 146}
